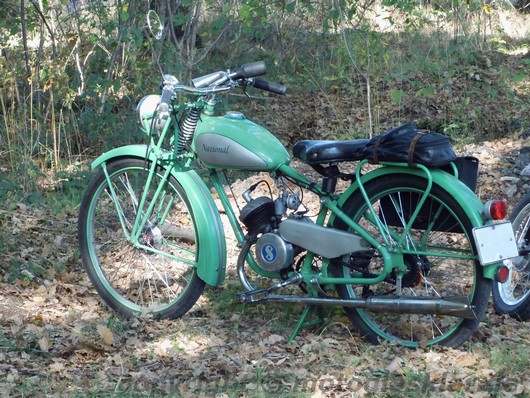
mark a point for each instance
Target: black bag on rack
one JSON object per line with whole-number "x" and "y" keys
{"x": 409, "y": 144}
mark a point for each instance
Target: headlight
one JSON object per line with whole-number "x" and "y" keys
{"x": 147, "y": 106}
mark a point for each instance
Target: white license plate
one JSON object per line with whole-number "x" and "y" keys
{"x": 495, "y": 243}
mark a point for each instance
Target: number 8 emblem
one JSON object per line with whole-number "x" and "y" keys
{"x": 269, "y": 253}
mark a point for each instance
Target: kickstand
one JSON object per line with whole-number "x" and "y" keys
{"x": 320, "y": 320}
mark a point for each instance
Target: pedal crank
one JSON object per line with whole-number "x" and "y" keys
{"x": 261, "y": 295}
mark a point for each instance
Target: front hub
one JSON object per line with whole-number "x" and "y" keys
{"x": 152, "y": 237}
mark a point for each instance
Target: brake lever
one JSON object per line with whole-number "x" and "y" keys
{"x": 245, "y": 91}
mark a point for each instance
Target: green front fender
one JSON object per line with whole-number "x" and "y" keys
{"x": 470, "y": 203}
{"x": 211, "y": 250}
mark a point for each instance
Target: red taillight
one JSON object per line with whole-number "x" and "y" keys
{"x": 502, "y": 273}
{"x": 495, "y": 209}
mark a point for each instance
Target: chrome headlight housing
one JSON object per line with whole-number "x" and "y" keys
{"x": 146, "y": 109}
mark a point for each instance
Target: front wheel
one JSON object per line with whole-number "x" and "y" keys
{"x": 154, "y": 274}
{"x": 439, "y": 255}
{"x": 513, "y": 296}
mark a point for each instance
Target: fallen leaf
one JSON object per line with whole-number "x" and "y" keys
{"x": 45, "y": 343}
{"x": 486, "y": 373}
{"x": 57, "y": 367}
{"x": 395, "y": 365}
{"x": 466, "y": 361}
{"x": 106, "y": 334}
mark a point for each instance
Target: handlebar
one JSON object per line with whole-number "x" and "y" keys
{"x": 249, "y": 70}
{"x": 222, "y": 81}
{"x": 269, "y": 86}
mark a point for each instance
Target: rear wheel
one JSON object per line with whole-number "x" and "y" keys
{"x": 157, "y": 278}
{"x": 441, "y": 262}
{"x": 513, "y": 296}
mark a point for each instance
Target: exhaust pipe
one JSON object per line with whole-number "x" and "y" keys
{"x": 457, "y": 306}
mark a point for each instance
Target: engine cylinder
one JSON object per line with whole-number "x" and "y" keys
{"x": 257, "y": 215}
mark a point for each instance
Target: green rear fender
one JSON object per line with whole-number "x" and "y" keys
{"x": 456, "y": 188}
{"x": 211, "y": 256}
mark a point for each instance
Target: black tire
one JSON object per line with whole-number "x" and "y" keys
{"x": 431, "y": 276}
{"x": 134, "y": 281}
{"x": 513, "y": 296}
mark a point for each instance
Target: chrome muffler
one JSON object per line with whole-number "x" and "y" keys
{"x": 457, "y": 306}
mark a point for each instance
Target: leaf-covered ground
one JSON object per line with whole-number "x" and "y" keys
{"x": 57, "y": 340}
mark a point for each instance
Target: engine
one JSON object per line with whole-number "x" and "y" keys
{"x": 279, "y": 238}
{"x": 262, "y": 217}
{"x": 271, "y": 251}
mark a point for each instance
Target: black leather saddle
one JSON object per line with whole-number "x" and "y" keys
{"x": 329, "y": 151}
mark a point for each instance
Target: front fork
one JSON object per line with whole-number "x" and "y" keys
{"x": 142, "y": 218}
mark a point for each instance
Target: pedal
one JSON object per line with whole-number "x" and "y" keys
{"x": 253, "y": 297}
{"x": 259, "y": 296}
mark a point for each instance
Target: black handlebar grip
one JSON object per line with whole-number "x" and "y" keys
{"x": 269, "y": 86}
{"x": 250, "y": 70}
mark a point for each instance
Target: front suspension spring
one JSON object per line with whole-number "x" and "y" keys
{"x": 187, "y": 130}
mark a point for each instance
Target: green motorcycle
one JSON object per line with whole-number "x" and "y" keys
{"x": 407, "y": 249}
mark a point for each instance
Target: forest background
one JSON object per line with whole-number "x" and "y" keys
{"x": 71, "y": 74}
